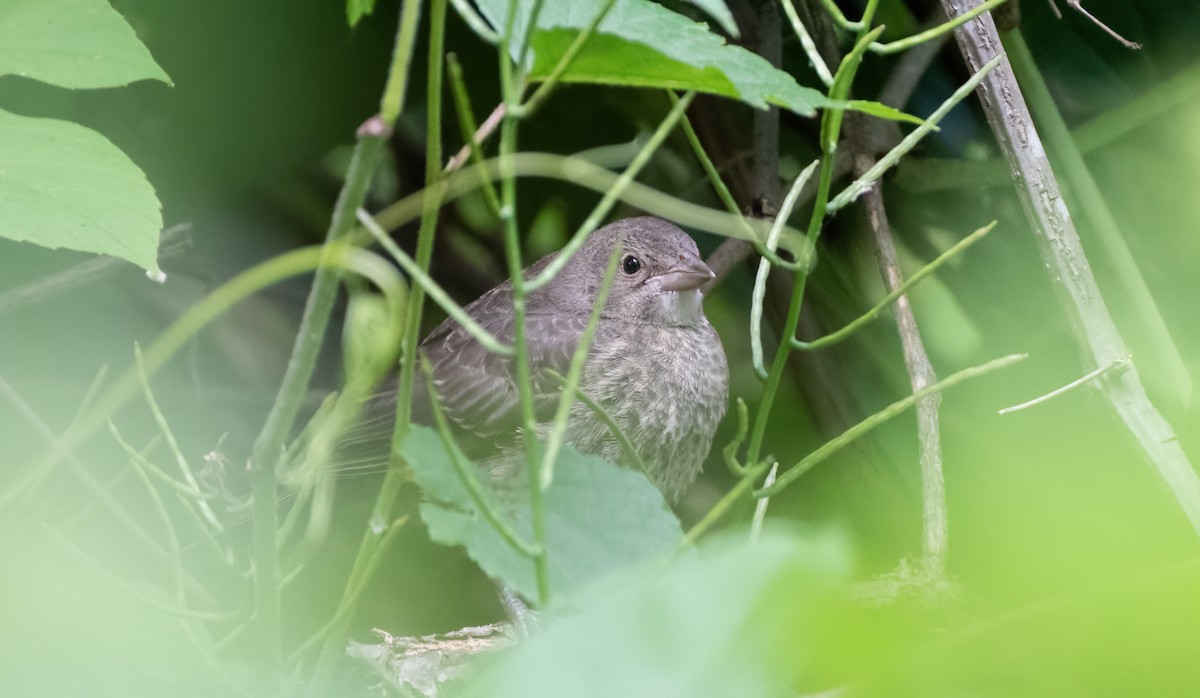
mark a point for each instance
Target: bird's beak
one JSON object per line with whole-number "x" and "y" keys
{"x": 688, "y": 275}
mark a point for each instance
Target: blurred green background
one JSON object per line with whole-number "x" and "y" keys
{"x": 1062, "y": 536}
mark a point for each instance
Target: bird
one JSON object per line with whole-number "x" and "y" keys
{"x": 656, "y": 365}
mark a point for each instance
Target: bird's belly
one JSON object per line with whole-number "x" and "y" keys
{"x": 667, "y": 389}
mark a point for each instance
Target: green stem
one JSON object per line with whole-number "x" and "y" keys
{"x": 858, "y": 430}
{"x": 613, "y": 194}
{"x": 467, "y": 474}
{"x": 558, "y": 428}
{"x": 908, "y": 42}
{"x": 831, "y": 123}
{"x": 543, "y": 91}
{"x": 1084, "y": 195}
{"x": 714, "y": 178}
{"x": 859, "y": 186}
{"x": 580, "y": 172}
{"x": 468, "y": 127}
{"x": 376, "y": 532}
{"x": 928, "y": 269}
{"x": 613, "y": 428}
{"x": 764, "y": 268}
{"x": 512, "y": 248}
{"x": 422, "y": 278}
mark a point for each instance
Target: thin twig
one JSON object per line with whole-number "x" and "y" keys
{"x": 854, "y": 325}
{"x": 1097, "y": 337}
{"x": 1122, "y": 363}
{"x": 487, "y": 128}
{"x": 920, "y": 373}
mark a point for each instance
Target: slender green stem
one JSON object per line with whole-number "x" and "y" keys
{"x": 806, "y": 42}
{"x": 764, "y": 268}
{"x": 467, "y": 474}
{"x": 392, "y": 101}
{"x": 474, "y": 21}
{"x": 858, "y": 430}
{"x": 859, "y": 186}
{"x": 435, "y": 292}
{"x": 512, "y": 248}
{"x": 558, "y": 428}
{"x": 760, "y": 509}
{"x": 744, "y": 486}
{"x": 583, "y": 173}
{"x": 134, "y": 592}
{"x": 610, "y": 197}
{"x": 334, "y": 626}
{"x": 1121, "y": 363}
{"x": 831, "y": 123}
{"x": 928, "y": 269}
{"x": 908, "y": 42}
{"x": 1084, "y": 196}
{"x": 613, "y": 428}
{"x": 376, "y": 533}
{"x": 739, "y": 438}
{"x": 840, "y": 19}
{"x": 564, "y": 62}
{"x": 186, "y": 470}
{"x": 468, "y": 127}
{"x": 714, "y": 178}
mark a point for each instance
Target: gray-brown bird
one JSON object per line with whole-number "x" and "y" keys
{"x": 656, "y": 364}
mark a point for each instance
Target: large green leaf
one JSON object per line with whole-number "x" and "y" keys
{"x": 641, "y": 43}
{"x": 744, "y": 620}
{"x": 72, "y": 43}
{"x": 599, "y": 518}
{"x": 63, "y": 185}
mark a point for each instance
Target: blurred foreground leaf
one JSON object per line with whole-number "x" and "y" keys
{"x": 733, "y": 621}
{"x": 630, "y": 47}
{"x": 72, "y": 43}
{"x": 63, "y": 185}
{"x": 599, "y": 518}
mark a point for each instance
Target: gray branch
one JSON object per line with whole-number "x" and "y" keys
{"x": 1096, "y": 335}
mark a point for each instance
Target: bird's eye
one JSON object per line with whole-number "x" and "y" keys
{"x": 630, "y": 265}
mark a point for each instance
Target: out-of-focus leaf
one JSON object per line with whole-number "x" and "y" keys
{"x": 72, "y": 43}
{"x": 643, "y": 44}
{"x": 718, "y": 11}
{"x": 357, "y": 9}
{"x": 599, "y": 518}
{"x": 883, "y": 111}
{"x": 62, "y": 185}
{"x": 738, "y": 620}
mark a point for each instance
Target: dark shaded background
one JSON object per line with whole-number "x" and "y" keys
{"x": 244, "y": 152}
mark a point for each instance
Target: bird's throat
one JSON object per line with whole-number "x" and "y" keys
{"x": 681, "y": 307}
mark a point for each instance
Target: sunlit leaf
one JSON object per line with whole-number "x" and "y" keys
{"x": 72, "y": 43}
{"x": 740, "y": 620}
{"x": 357, "y": 9}
{"x": 644, "y": 44}
{"x": 63, "y": 185}
{"x": 883, "y": 111}
{"x": 599, "y": 518}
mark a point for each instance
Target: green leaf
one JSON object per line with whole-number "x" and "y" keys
{"x": 62, "y": 185}
{"x": 599, "y": 518}
{"x": 883, "y": 111}
{"x": 357, "y": 9}
{"x": 736, "y": 621}
{"x": 643, "y": 44}
{"x": 72, "y": 43}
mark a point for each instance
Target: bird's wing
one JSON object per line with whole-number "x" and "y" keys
{"x": 477, "y": 389}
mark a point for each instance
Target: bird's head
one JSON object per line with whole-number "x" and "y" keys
{"x": 658, "y": 279}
